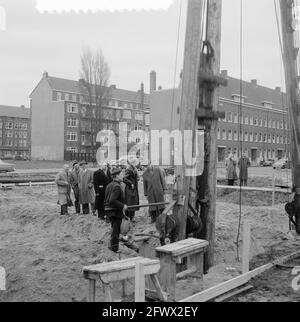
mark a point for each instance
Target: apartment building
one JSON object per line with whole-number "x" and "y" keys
{"x": 15, "y": 132}
{"x": 64, "y": 121}
{"x": 255, "y": 124}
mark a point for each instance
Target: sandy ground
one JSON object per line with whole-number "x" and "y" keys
{"x": 43, "y": 253}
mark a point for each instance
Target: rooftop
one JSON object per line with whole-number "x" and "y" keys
{"x": 71, "y": 86}
{"x": 14, "y": 111}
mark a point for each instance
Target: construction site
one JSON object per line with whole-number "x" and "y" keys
{"x": 248, "y": 247}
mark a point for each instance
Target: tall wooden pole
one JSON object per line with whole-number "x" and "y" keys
{"x": 290, "y": 55}
{"x": 189, "y": 103}
{"x": 207, "y": 182}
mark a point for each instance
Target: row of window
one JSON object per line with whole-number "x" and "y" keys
{"x": 11, "y": 134}
{"x": 109, "y": 114}
{"x": 230, "y": 135}
{"x": 83, "y": 99}
{"x": 17, "y": 126}
{"x": 250, "y": 120}
{"x": 16, "y": 143}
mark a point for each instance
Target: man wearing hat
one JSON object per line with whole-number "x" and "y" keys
{"x": 101, "y": 180}
{"x": 86, "y": 189}
{"x": 115, "y": 207}
{"x": 62, "y": 181}
{"x": 74, "y": 181}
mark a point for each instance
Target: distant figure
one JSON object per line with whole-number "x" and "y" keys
{"x": 131, "y": 181}
{"x": 244, "y": 164}
{"x": 64, "y": 190}
{"x": 86, "y": 189}
{"x": 155, "y": 188}
{"x": 115, "y": 207}
{"x": 102, "y": 179}
{"x": 74, "y": 181}
{"x": 231, "y": 170}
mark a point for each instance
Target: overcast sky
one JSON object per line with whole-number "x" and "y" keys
{"x": 134, "y": 43}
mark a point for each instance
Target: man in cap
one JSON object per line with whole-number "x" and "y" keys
{"x": 101, "y": 180}
{"x": 115, "y": 207}
{"x": 64, "y": 190}
{"x": 74, "y": 181}
{"x": 86, "y": 188}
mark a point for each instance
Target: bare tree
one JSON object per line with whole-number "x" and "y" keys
{"x": 95, "y": 72}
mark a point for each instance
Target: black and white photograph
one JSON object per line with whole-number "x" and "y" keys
{"x": 149, "y": 153}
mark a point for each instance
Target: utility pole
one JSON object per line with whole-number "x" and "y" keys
{"x": 199, "y": 109}
{"x": 290, "y": 55}
{"x": 189, "y": 105}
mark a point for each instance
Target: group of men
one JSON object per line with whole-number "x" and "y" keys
{"x": 231, "y": 167}
{"x": 113, "y": 194}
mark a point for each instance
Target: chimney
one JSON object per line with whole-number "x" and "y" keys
{"x": 45, "y": 75}
{"x": 278, "y": 89}
{"x": 254, "y": 82}
{"x": 152, "y": 81}
{"x": 142, "y": 95}
{"x": 224, "y": 73}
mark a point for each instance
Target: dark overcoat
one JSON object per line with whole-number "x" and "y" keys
{"x": 155, "y": 186}
{"x": 244, "y": 164}
{"x": 101, "y": 181}
{"x": 131, "y": 181}
{"x": 114, "y": 200}
{"x": 86, "y": 187}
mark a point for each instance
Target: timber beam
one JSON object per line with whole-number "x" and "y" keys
{"x": 207, "y": 77}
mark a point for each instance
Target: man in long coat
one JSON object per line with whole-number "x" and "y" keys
{"x": 231, "y": 170}
{"x": 131, "y": 181}
{"x": 74, "y": 181}
{"x": 64, "y": 190}
{"x": 86, "y": 189}
{"x": 155, "y": 188}
{"x": 102, "y": 179}
{"x": 244, "y": 164}
{"x": 115, "y": 207}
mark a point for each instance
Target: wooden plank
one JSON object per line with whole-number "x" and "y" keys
{"x": 92, "y": 290}
{"x": 246, "y": 247}
{"x": 186, "y": 273}
{"x": 170, "y": 207}
{"x": 167, "y": 275}
{"x": 183, "y": 246}
{"x": 107, "y": 293}
{"x": 233, "y": 294}
{"x": 120, "y": 265}
{"x": 139, "y": 283}
{"x": 160, "y": 293}
{"x": 254, "y": 189}
{"x": 189, "y": 104}
{"x": 238, "y": 281}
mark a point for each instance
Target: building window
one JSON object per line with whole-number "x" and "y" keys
{"x": 9, "y": 143}
{"x": 54, "y": 96}
{"x": 71, "y": 136}
{"x": 261, "y": 123}
{"x": 219, "y": 134}
{"x": 9, "y": 126}
{"x": 67, "y": 97}
{"x": 139, "y": 116}
{"x": 83, "y": 139}
{"x": 127, "y": 115}
{"x": 147, "y": 119}
{"x": 72, "y": 123}
{"x": 251, "y": 137}
{"x": 236, "y": 119}
{"x": 281, "y": 125}
{"x": 72, "y": 108}
{"x": 274, "y": 139}
{"x": 255, "y": 122}
{"x": 270, "y": 124}
{"x": 281, "y": 140}
{"x": 274, "y": 124}
{"x": 278, "y": 139}
{"x": 247, "y": 119}
{"x": 246, "y": 137}
{"x": 265, "y": 123}
{"x": 72, "y": 149}
{"x": 236, "y": 137}
{"x": 229, "y": 135}
{"x": 238, "y": 98}
{"x": 251, "y": 120}
{"x": 229, "y": 117}
{"x": 224, "y": 135}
